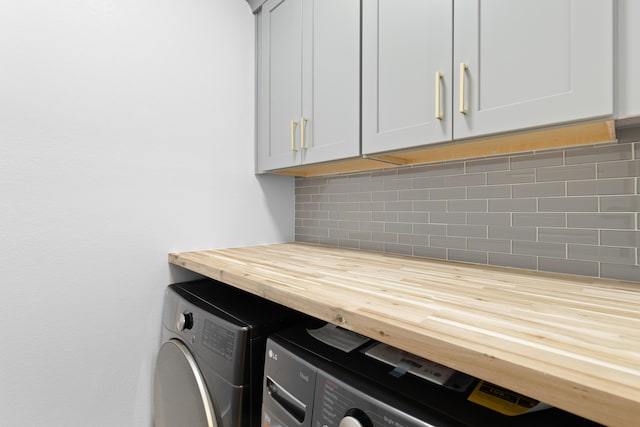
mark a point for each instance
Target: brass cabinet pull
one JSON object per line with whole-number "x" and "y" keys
{"x": 438, "y": 110}
{"x": 293, "y": 135}
{"x": 463, "y": 69}
{"x": 303, "y": 123}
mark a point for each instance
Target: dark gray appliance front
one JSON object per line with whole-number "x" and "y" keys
{"x": 308, "y": 383}
{"x": 303, "y": 390}
{"x": 210, "y": 363}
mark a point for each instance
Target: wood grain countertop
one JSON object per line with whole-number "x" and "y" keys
{"x": 570, "y": 341}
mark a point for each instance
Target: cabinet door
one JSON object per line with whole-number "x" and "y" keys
{"x": 530, "y": 63}
{"x": 331, "y": 80}
{"x": 279, "y": 83}
{"x": 404, "y": 44}
{"x": 628, "y": 58}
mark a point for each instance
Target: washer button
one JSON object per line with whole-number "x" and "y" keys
{"x": 185, "y": 321}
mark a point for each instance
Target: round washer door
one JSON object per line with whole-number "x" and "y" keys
{"x": 180, "y": 396}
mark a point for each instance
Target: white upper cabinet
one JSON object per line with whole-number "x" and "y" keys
{"x": 280, "y": 83}
{"x": 437, "y": 70}
{"x": 406, "y": 73}
{"x": 525, "y": 64}
{"x": 628, "y": 58}
{"x": 432, "y": 71}
{"x": 308, "y": 82}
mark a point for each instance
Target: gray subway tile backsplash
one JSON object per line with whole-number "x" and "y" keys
{"x": 513, "y": 233}
{"x": 617, "y": 221}
{"x": 489, "y": 192}
{"x": 620, "y": 272}
{"x": 601, "y": 187}
{"x": 449, "y": 217}
{"x": 566, "y": 173}
{"x": 398, "y": 248}
{"x": 466, "y": 180}
{"x": 445, "y": 168}
{"x": 371, "y": 246}
{"x": 360, "y": 197}
{"x": 516, "y": 261}
{"x": 430, "y": 205}
{"x": 372, "y": 206}
{"x": 430, "y": 229}
{"x": 360, "y": 235}
{"x": 555, "y": 250}
{"x": 620, "y": 238}
{"x": 398, "y": 206}
{"x": 430, "y": 252}
{"x": 620, "y": 204}
{"x": 568, "y": 204}
{"x": 568, "y": 235}
{"x": 512, "y": 205}
{"x": 413, "y": 194}
{"x": 467, "y": 256}
{"x": 487, "y": 164}
{"x": 385, "y": 237}
{"x": 476, "y": 205}
{"x": 397, "y": 184}
{"x": 413, "y": 239}
{"x": 619, "y": 169}
{"x": 603, "y": 153}
{"x": 374, "y": 226}
{"x": 614, "y": 255}
{"x": 448, "y": 242}
{"x": 384, "y": 196}
{"x": 573, "y": 211}
{"x": 415, "y": 217}
{"x": 448, "y": 193}
{"x": 489, "y": 245}
{"x": 384, "y": 216}
{"x": 537, "y": 160}
{"x": 500, "y": 218}
{"x": 398, "y": 227}
{"x": 512, "y": 176}
{"x": 430, "y": 182}
{"x": 539, "y": 219}
{"x": 467, "y": 230}
{"x": 539, "y": 189}
{"x": 584, "y": 268}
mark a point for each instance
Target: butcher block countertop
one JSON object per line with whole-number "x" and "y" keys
{"x": 570, "y": 341}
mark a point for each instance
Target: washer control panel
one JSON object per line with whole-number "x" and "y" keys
{"x": 218, "y": 339}
{"x": 338, "y": 404}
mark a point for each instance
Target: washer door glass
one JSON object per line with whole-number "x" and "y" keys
{"x": 180, "y": 396}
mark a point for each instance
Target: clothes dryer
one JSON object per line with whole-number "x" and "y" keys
{"x": 335, "y": 382}
{"x": 210, "y": 364}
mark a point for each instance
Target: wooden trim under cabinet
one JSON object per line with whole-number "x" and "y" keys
{"x": 566, "y": 136}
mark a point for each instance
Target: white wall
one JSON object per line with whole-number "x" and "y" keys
{"x": 126, "y": 132}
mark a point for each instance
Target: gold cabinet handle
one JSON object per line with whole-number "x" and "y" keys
{"x": 293, "y": 135}
{"x": 463, "y": 70}
{"x": 303, "y": 123}
{"x": 438, "y": 110}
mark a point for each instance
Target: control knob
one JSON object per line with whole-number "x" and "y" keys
{"x": 185, "y": 321}
{"x": 355, "y": 417}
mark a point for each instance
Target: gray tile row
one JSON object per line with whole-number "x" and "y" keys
{"x": 383, "y": 201}
{"x": 601, "y": 178}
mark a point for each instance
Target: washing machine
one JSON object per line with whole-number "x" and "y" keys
{"x": 209, "y": 368}
{"x": 316, "y": 377}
